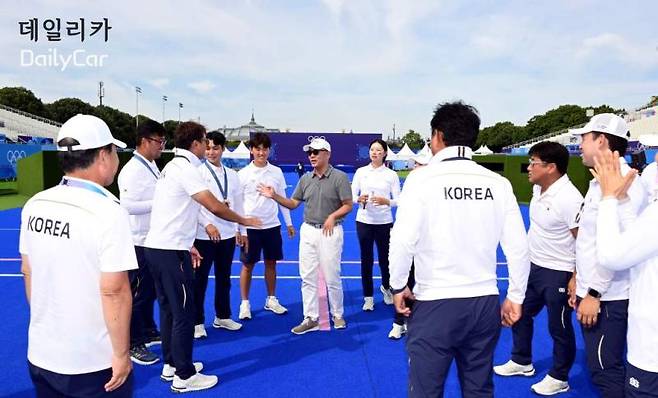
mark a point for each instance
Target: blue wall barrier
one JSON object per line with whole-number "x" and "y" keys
{"x": 9, "y": 155}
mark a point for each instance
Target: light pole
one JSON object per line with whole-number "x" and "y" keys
{"x": 138, "y": 91}
{"x": 164, "y": 99}
{"x": 101, "y": 92}
{"x": 180, "y": 106}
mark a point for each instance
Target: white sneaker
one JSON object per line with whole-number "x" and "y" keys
{"x": 200, "y": 332}
{"x": 388, "y": 296}
{"x": 227, "y": 323}
{"x": 272, "y": 304}
{"x": 550, "y": 386}
{"x": 397, "y": 331}
{"x": 245, "y": 310}
{"x": 168, "y": 371}
{"x": 196, "y": 382}
{"x": 512, "y": 368}
{"x": 368, "y": 304}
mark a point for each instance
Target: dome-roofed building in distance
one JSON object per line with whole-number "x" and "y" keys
{"x": 242, "y": 133}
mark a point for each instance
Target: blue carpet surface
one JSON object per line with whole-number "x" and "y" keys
{"x": 264, "y": 359}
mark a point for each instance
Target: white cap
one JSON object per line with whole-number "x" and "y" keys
{"x": 422, "y": 157}
{"x": 89, "y": 131}
{"x": 317, "y": 143}
{"x": 608, "y": 123}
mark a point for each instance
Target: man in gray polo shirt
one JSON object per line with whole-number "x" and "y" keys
{"x": 327, "y": 195}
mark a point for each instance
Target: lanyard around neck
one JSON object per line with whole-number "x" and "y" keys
{"x": 223, "y": 190}
{"x": 84, "y": 185}
{"x": 142, "y": 161}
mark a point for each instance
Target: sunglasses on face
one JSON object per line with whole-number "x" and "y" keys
{"x": 314, "y": 152}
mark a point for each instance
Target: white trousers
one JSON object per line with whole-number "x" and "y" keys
{"x": 320, "y": 253}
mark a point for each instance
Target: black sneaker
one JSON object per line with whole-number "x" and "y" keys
{"x": 141, "y": 355}
{"x": 153, "y": 338}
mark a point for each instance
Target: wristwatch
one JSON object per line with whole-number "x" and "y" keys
{"x": 397, "y": 291}
{"x": 594, "y": 293}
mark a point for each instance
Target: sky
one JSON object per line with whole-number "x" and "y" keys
{"x": 332, "y": 65}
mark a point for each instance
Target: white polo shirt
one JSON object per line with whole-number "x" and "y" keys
{"x": 451, "y": 216}
{"x": 231, "y": 186}
{"x": 175, "y": 214}
{"x": 649, "y": 179}
{"x": 71, "y": 235}
{"x": 611, "y": 285}
{"x": 635, "y": 250}
{"x": 257, "y": 205}
{"x": 136, "y": 188}
{"x": 380, "y": 181}
{"x": 553, "y": 214}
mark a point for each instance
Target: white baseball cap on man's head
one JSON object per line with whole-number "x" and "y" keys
{"x": 608, "y": 123}
{"x": 89, "y": 132}
{"x": 317, "y": 143}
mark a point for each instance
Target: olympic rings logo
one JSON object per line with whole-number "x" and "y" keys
{"x": 13, "y": 156}
{"x": 313, "y": 137}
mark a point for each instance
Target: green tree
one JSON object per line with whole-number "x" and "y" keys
{"x": 65, "y": 108}
{"x": 653, "y": 101}
{"x": 121, "y": 124}
{"x": 170, "y": 128}
{"x": 501, "y": 134}
{"x": 414, "y": 140}
{"x": 563, "y": 117}
{"x": 556, "y": 119}
{"x": 24, "y": 100}
{"x": 607, "y": 109}
{"x": 483, "y": 137}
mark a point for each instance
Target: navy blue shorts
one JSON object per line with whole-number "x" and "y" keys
{"x": 53, "y": 385}
{"x": 268, "y": 241}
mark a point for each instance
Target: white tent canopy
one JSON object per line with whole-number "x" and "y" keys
{"x": 391, "y": 156}
{"x": 241, "y": 152}
{"x": 424, "y": 151}
{"x": 405, "y": 153}
{"x": 483, "y": 150}
{"x": 650, "y": 140}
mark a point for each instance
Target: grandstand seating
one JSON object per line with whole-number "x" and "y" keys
{"x": 643, "y": 121}
{"x": 22, "y": 123}
{"x": 640, "y": 122}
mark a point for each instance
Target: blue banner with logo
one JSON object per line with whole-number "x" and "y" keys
{"x": 346, "y": 148}
{"x": 9, "y": 155}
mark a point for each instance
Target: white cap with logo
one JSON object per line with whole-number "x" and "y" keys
{"x": 608, "y": 123}
{"x": 89, "y": 132}
{"x": 317, "y": 143}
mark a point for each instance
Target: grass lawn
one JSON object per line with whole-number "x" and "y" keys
{"x": 9, "y": 197}
{"x": 403, "y": 173}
